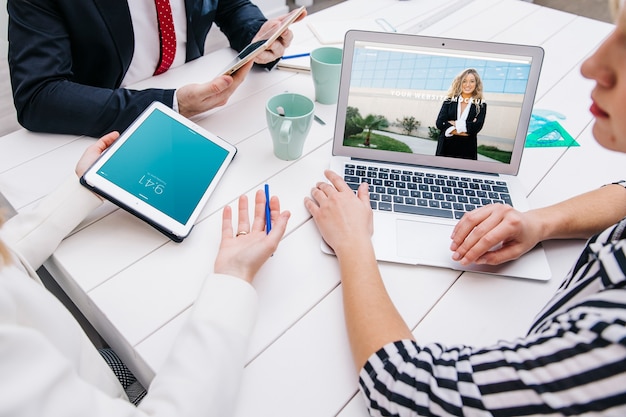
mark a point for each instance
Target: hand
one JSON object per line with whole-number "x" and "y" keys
{"x": 242, "y": 256}
{"x": 94, "y": 151}
{"x": 341, "y": 216}
{"x": 197, "y": 98}
{"x": 277, "y": 48}
{"x": 494, "y": 234}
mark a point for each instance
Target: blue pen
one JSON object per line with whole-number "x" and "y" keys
{"x": 268, "y": 219}
{"x": 295, "y": 56}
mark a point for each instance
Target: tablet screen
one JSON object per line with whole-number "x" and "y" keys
{"x": 166, "y": 164}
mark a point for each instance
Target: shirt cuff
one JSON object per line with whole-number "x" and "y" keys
{"x": 461, "y": 127}
{"x": 227, "y": 301}
{"x": 175, "y": 102}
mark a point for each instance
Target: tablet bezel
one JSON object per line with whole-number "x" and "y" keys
{"x": 166, "y": 224}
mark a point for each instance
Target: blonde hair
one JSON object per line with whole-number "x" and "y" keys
{"x": 457, "y": 84}
{"x": 615, "y": 7}
{"x": 5, "y": 257}
{"x": 457, "y": 87}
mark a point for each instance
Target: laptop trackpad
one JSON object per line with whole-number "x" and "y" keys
{"x": 425, "y": 243}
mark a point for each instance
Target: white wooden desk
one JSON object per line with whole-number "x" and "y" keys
{"x": 136, "y": 286}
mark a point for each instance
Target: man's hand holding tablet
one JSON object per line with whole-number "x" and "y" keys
{"x": 267, "y": 46}
{"x": 270, "y": 42}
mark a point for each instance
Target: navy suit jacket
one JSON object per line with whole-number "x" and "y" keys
{"x": 67, "y": 59}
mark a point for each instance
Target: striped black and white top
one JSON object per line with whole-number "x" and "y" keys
{"x": 572, "y": 361}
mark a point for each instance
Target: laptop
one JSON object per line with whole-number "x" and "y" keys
{"x": 395, "y": 100}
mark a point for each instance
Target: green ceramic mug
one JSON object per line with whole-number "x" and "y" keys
{"x": 326, "y": 71}
{"x": 289, "y": 117}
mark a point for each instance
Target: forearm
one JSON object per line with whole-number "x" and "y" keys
{"x": 371, "y": 318}
{"x": 583, "y": 215}
{"x": 61, "y": 83}
{"x": 202, "y": 373}
{"x": 70, "y": 108}
{"x": 36, "y": 232}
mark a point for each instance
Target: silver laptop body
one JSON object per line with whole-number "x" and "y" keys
{"x": 391, "y": 95}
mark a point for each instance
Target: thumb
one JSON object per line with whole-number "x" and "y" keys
{"x": 216, "y": 85}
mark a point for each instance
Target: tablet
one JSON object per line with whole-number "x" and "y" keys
{"x": 251, "y": 51}
{"x": 162, "y": 169}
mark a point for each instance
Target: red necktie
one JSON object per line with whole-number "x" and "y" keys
{"x": 167, "y": 35}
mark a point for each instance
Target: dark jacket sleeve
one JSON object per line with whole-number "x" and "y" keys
{"x": 446, "y": 113}
{"x": 476, "y": 121}
{"x": 68, "y": 58}
{"x": 239, "y": 20}
{"x": 66, "y": 67}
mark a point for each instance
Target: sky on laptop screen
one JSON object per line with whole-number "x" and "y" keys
{"x": 398, "y": 93}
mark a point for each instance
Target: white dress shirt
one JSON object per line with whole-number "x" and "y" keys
{"x": 146, "y": 31}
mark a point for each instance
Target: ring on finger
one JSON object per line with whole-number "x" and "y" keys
{"x": 241, "y": 233}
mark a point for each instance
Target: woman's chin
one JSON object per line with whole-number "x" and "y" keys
{"x": 607, "y": 138}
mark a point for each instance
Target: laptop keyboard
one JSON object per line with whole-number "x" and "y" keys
{"x": 425, "y": 193}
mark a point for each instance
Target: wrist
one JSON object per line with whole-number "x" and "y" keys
{"x": 235, "y": 271}
{"x": 541, "y": 224}
{"x": 357, "y": 247}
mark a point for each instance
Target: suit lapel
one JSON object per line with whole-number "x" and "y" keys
{"x": 117, "y": 17}
{"x": 200, "y": 14}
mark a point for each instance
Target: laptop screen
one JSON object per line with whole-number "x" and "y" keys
{"x": 437, "y": 102}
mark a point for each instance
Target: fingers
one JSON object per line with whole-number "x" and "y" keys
{"x": 279, "y": 220}
{"x": 276, "y": 49}
{"x": 478, "y": 235}
{"x": 242, "y": 216}
{"x": 324, "y": 190}
{"x": 258, "y": 224}
{"x": 105, "y": 141}
{"x": 467, "y": 224}
{"x": 302, "y": 15}
{"x": 93, "y": 152}
{"x": 198, "y": 98}
{"x": 267, "y": 29}
{"x": 337, "y": 181}
{"x": 311, "y": 206}
{"x": 363, "y": 193}
{"x": 240, "y": 75}
{"x": 505, "y": 253}
{"x": 227, "y": 223}
{"x": 286, "y": 38}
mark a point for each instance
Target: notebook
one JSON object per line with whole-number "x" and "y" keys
{"x": 393, "y": 106}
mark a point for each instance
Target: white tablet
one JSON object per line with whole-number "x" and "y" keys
{"x": 162, "y": 169}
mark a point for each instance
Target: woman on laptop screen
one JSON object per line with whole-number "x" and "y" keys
{"x": 462, "y": 116}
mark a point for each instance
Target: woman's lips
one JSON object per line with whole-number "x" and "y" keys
{"x": 597, "y": 111}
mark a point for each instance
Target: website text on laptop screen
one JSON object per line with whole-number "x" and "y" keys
{"x": 404, "y": 98}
